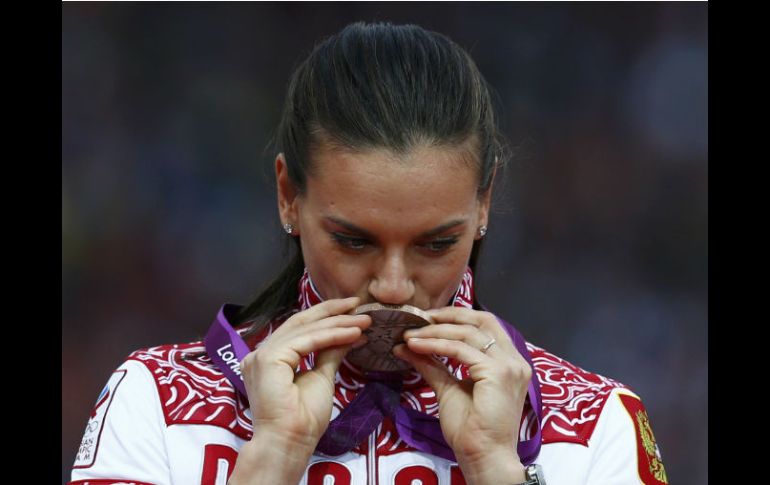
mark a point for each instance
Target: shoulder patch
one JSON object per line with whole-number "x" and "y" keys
{"x": 573, "y": 398}
{"x": 89, "y": 445}
{"x": 651, "y": 470}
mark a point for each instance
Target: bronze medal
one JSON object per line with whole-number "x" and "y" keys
{"x": 388, "y": 325}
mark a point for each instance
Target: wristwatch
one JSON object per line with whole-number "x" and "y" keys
{"x": 534, "y": 475}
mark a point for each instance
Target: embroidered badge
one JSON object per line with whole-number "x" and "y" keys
{"x": 90, "y": 443}
{"x": 651, "y": 470}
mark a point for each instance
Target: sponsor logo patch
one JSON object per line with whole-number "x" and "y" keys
{"x": 89, "y": 445}
{"x": 651, "y": 470}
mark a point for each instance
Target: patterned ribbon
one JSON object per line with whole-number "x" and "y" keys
{"x": 381, "y": 395}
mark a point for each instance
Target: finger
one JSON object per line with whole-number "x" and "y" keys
{"x": 450, "y": 348}
{"x": 465, "y": 333}
{"x": 481, "y": 367}
{"x": 434, "y": 372}
{"x": 286, "y": 334}
{"x": 328, "y": 361}
{"x": 321, "y": 339}
{"x": 487, "y": 322}
{"x": 328, "y": 308}
{"x": 291, "y": 351}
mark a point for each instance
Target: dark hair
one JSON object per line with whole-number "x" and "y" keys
{"x": 378, "y": 86}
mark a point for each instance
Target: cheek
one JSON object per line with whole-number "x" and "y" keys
{"x": 441, "y": 281}
{"x": 333, "y": 275}
{"x": 326, "y": 279}
{"x": 448, "y": 290}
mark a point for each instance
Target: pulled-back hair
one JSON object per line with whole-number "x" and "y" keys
{"x": 378, "y": 86}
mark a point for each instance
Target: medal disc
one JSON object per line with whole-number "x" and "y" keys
{"x": 388, "y": 325}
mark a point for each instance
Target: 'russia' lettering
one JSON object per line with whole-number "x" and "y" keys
{"x": 218, "y": 461}
{"x": 326, "y": 472}
{"x": 416, "y": 473}
{"x": 230, "y": 359}
{"x": 334, "y": 473}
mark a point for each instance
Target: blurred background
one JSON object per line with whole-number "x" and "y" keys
{"x": 597, "y": 249}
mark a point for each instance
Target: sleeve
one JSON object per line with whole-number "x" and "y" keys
{"x": 624, "y": 448}
{"x": 124, "y": 440}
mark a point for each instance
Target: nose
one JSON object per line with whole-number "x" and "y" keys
{"x": 392, "y": 283}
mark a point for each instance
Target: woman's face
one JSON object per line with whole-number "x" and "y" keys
{"x": 386, "y": 229}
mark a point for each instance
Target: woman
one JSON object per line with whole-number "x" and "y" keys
{"x": 388, "y": 150}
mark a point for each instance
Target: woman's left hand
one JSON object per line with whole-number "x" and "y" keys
{"x": 479, "y": 416}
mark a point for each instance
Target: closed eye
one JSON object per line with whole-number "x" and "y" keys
{"x": 440, "y": 245}
{"x": 436, "y": 246}
{"x": 349, "y": 242}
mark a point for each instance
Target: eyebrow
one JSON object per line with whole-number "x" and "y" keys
{"x": 353, "y": 228}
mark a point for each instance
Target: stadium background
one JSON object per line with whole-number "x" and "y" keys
{"x": 597, "y": 249}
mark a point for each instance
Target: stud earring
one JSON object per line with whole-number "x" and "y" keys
{"x": 482, "y": 231}
{"x": 288, "y": 228}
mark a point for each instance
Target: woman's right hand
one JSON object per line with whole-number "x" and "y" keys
{"x": 295, "y": 408}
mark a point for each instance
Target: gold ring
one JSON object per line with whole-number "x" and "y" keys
{"x": 487, "y": 346}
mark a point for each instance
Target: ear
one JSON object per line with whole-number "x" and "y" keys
{"x": 287, "y": 194}
{"x": 485, "y": 202}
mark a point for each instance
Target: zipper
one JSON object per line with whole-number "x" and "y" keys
{"x": 371, "y": 459}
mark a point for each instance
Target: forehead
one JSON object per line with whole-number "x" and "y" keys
{"x": 428, "y": 183}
